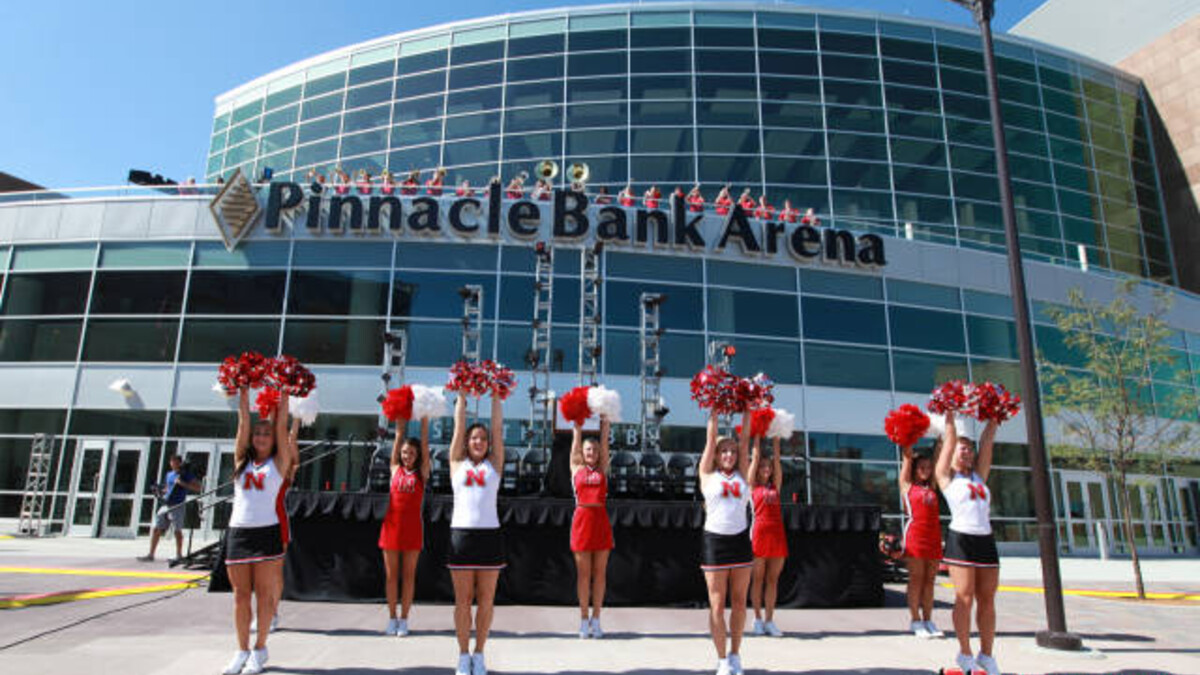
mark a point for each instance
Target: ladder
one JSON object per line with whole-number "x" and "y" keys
{"x": 653, "y": 409}
{"x": 589, "y": 315}
{"x": 37, "y": 481}
{"x": 472, "y": 321}
{"x": 540, "y": 398}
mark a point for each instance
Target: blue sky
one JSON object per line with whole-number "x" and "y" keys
{"x": 92, "y": 89}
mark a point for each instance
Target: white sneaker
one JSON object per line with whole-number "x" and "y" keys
{"x": 402, "y": 627}
{"x": 235, "y": 666}
{"x": 918, "y": 628}
{"x": 477, "y": 665}
{"x": 597, "y": 631}
{"x": 771, "y": 629}
{"x": 758, "y": 627}
{"x": 988, "y": 663}
{"x": 932, "y": 629}
{"x": 464, "y": 665}
{"x": 256, "y": 663}
{"x": 585, "y": 629}
{"x": 966, "y": 662}
{"x": 274, "y": 623}
{"x": 392, "y": 626}
{"x": 723, "y": 667}
{"x": 735, "y": 664}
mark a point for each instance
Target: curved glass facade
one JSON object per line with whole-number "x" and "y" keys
{"x": 873, "y": 123}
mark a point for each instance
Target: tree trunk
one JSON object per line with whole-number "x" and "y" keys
{"x": 1127, "y": 518}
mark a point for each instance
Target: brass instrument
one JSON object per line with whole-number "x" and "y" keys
{"x": 579, "y": 172}
{"x": 547, "y": 169}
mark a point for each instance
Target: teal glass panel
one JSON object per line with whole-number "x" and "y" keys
{"x": 126, "y": 340}
{"x": 30, "y": 340}
{"x": 840, "y": 285}
{"x": 209, "y": 341}
{"x": 779, "y": 359}
{"x": 923, "y": 372}
{"x": 59, "y": 257}
{"x": 119, "y": 254}
{"x": 752, "y": 313}
{"x": 850, "y": 446}
{"x": 341, "y": 342}
{"x": 925, "y": 329}
{"x": 341, "y": 254}
{"x": 846, "y": 367}
{"x": 992, "y": 337}
{"x": 246, "y": 255}
{"x": 746, "y": 275}
{"x": 843, "y": 321}
{"x": 639, "y": 266}
{"x": 926, "y": 295}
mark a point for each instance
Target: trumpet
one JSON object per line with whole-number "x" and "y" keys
{"x": 579, "y": 172}
{"x": 523, "y": 176}
{"x": 547, "y": 169}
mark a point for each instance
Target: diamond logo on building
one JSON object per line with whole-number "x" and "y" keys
{"x": 235, "y": 209}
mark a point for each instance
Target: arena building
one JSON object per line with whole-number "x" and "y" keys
{"x": 118, "y": 304}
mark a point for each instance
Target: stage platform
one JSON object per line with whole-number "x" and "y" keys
{"x": 334, "y": 556}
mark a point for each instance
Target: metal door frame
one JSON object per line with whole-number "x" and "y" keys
{"x": 1083, "y": 478}
{"x": 82, "y": 447}
{"x": 116, "y": 445}
{"x": 212, "y": 478}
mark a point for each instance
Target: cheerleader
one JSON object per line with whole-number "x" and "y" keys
{"x": 402, "y": 535}
{"x": 293, "y": 441}
{"x": 767, "y": 537}
{"x": 695, "y": 200}
{"x": 962, "y": 472}
{"x": 728, "y": 556}
{"x": 723, "y": 202}
{"x": 591, "y": 533}
{"x": 254, "y": 540}
{"x": 922, "y": 539}
{"x": 476, "y": 542}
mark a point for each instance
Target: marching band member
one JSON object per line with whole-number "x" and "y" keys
{"x": 728, "y": 556}
{"x": 652, "y": 197}
{"x": 788, "y": 214}
{"x": 678, "y": 195}
{"x": 625, "y": 197}
{"x": 922, "y": 539}
{"x": 387, "y": 184}
{"x": 602, "y": 196}
{"x": 962, "y": 473}
{"x": 364, "y": 182}
{"x": 516, "y": 188}
{"x": 764, "y": 210}
{"x": 402, "y": 535}
{"x": 810, "y": 218}
{"x": 433, "y": 186}
{"x": 746, "y": 201}
{"x": 341, "y": 183}
{"x": 408, "y": 187}
{"x": 542, "y": 190}
{"x": 464, "y": 189}
{"x": 263, "y": 458}
{"x": 476, "y": 543}
{"x": 591, "y": 533}
{"x": 768, "y": 537}
{"x": 316, "y": 181}
{"x": 695, "y": 200}
{"x": 723, "y": 202}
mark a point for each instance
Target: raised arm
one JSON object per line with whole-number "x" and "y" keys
{"x": 604, "y": 456}
{"x": 777, "y": 473}
{"x": 425, "y": 451}
{"x": 242, "y": 440}
{"x": 755, "y": 462}
{"x": 397, "y": 443}
{"x": 987, "y": 443}
{"x": 906, "y": 462}
{"x": 576, "y": 448}
{"x": 743, "y": 446}
{"x": 710, "y": 450}
{"x": 944, "y": 470}
{"x": 287, "y": 449}
{"x": 497, "y": 433}
{"x": 458, "y": 441}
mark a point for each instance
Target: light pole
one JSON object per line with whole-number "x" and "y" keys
{"x": 1056, "y": 636}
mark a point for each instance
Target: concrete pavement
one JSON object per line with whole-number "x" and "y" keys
{"x": 180, "y": 632}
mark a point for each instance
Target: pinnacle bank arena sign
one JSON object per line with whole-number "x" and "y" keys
{"x": 568, "y": 217}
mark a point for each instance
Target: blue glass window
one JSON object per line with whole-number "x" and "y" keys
{"x": 844, "y": 321}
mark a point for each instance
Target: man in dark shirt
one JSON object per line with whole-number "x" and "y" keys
{"x": 173, "y": 492}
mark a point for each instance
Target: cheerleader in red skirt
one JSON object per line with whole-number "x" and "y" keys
{"x": 767, "y": 537}
{"x": 922, "y": 539}
{"x": 402, "y": 535}
{"x": 591, "y": 533}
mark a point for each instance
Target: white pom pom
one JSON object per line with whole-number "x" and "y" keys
{"x": 965, "y": 428}
{"x": 782, "y": 425}
{"x": 305, "y": 409}
{"x": 605, "y": 401}
{"x": 428, "y": 402}
{"x": 221, "y": 390}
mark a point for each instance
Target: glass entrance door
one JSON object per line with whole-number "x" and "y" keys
{"x": 87, "y": 488}
{"x": 211, "y": 462}
{"x": 1149, "y": 514}
{"x": 1087, "y": 512}
{"x": 123, "y": 488}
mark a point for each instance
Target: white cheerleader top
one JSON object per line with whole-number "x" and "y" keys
{"x": 476, "y": 487}
{"x": 258, "y": 496}
{"x": 725, "y": 500}
{"x": 970, "y": 504}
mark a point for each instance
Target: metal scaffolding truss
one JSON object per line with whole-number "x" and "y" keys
{"x": 472, "y": 321}
{"x": 653, "y": 408}
{"x": 395, "y": 356}
{"x": 37, "y": 481}
{"x": 541, "y": 399}
{"x": 589, "y": 314}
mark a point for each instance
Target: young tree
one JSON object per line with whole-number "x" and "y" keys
{"x": 1112, "y": 416}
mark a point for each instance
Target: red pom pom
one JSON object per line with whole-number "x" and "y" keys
{"x": 950, "y": 396}
{"x": 990, "y": 401}
{"x": 247, "y": 370}
{"x": 398, "y": 404}
{"x": 906, "y": 425}
{"x": 500, "y": 378}
{"x": 574, "y": 405}
{"x": 467, "y": 379}
{"x": 727, "y": 394}
{"x": 267, "y": 401}
{"x": 760, "y": 421}
{"x": 289, "y": 376}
